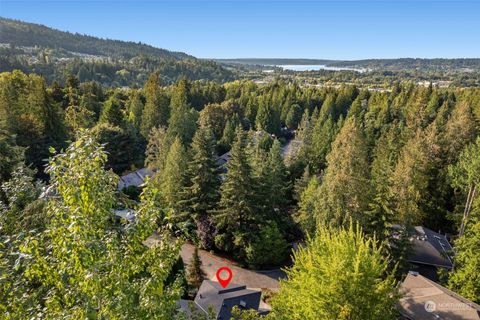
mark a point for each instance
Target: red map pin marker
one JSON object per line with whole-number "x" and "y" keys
{"x": 224, "y": 282}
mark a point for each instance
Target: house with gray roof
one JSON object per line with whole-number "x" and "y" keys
{"x": 430, "y": 251}
{"x": 423, "y": 299}
{"x": 135, "y": 178}
{"x": 212, "y": 297}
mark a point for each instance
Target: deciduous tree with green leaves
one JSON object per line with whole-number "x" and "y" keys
{"x": 83, "y": 265}
{"x": 338, "y": 274}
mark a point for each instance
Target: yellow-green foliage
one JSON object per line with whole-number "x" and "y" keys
{"x": 84, "y": 266}
{"x": 338, "y": 274}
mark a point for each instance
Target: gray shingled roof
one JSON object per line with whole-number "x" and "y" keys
{"x": 430, "y": 248}
{"x": 136, "y": 178}
{"x": 424, "y": 299}
{"x": 212, "y": 295}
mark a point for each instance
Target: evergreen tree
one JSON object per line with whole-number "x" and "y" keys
{"x": 134, "y": 108}
{"x": 236, "y": 217}
{"x": 78, "y": 117}
{"x": 124, "y": 148}
{"x": 194, "y": 272}
{"x": 28, "y": 113}
{"x": 204, "y": 180}
{"x": 305, "y": 215}
{"x": 344, "y": 192}
{"x": 157, "y": 110}
{"x": 277, "y": 178}
{"x": 293, "y": 117}
{"x": 301, "y": 183}
{"x": 157, "y": 148}
{"x": 183, "y": 118}
{"x": 92, "y": 97}
{"x": 268, "y": 118}
{"x": 323, "y": 134}
{"x": 460, "y": 130}
{"x": 268, "y": 248}
{"x": 412, "y": 177}
{"x": 172, "y": 183}
{"x": 11, "y": 156}
{"x": 381, "y": 207}
{"x": 229, "y": 132}
{"x": 113, "y": 112}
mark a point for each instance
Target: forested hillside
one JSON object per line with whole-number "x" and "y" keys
{"x": 358, "y": 163}
{"x": 55, "y": 54}
{"x": 26, "y": 34}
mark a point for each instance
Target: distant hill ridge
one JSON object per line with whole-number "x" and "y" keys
{"x": 55, "y": 54}
{"x": 27, "y": 34}
{"x": 374, "y": 64}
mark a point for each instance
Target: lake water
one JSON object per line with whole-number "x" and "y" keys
{"x": 315, "y": 67}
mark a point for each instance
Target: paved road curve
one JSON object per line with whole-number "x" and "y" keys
{"x": 252, "y": 279}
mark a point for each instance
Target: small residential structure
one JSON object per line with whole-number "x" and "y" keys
{"x": 136, "y": 178}
{"x": 423, "y": 299}
{"x": 222, "y": 160}
{"x": 126, "y": 214}
{"x": 430, "y": 251}
{"x": 213, "y": 298}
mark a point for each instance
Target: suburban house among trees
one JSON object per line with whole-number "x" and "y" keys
{"x": 136, "y": 178}
{"x": 430, "y": 251}
{"x": 212, "y": 298}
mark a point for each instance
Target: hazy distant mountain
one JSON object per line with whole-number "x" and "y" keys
{"x": 54, "y": 54}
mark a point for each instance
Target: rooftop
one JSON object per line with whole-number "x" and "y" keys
{"x": 424, "y": 299}
{"x": 212, "y": 295}
{"x": 429, "y": 248}
{"x": 136, "y": 178}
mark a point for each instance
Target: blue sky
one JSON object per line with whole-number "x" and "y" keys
{"x": 268, "y": 28}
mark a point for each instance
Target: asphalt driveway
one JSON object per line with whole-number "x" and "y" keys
{"x": 252, "y": 279}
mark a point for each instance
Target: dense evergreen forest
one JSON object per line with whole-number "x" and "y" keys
{"x": 55, "y": 54}
{"x": 334, "y": 168}
{"x": 27, "y": 34}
